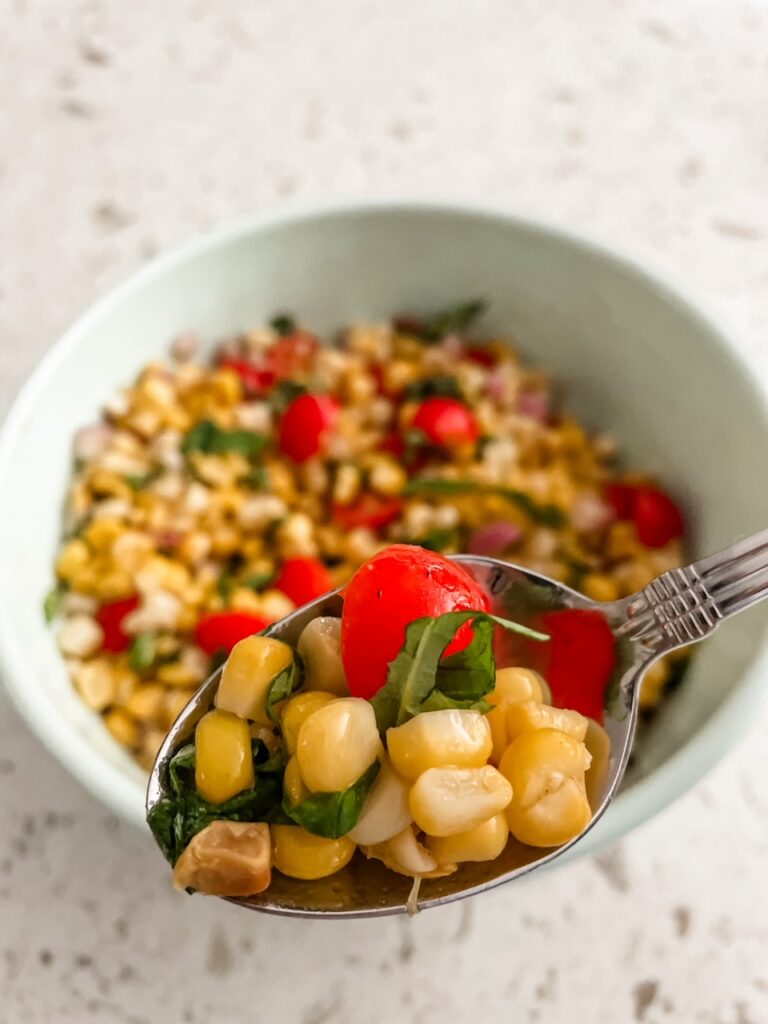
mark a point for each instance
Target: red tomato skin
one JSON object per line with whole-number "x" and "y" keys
{"x": 446, "y": 422}
{"x": 110, "y": 617}
{"x": 370, "y": 510}
{"x": 481, "y": 356}
{"x": 218, "y": 631}
{"x": 658, "y": 520}
{"x": 257, "y": 380}
{"x": 304, "y": 579}
{"x": 578, "y": 659}
{"x": 397, "y": 586}
{"x": 305, "y": 425}
{"x": 621, "y": 498}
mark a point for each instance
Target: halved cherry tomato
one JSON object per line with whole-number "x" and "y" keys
{"x": 446, "y": 422}
{"x": 257, "y": 380}
{"x": 220, "y": 631}
{"x": 657, "y": 518}
{"x": 305, "y": 425}
{"x": 371, "y": 510}
{"x": 304, "y": 579}
{"x": 293, "y": 355}
{"x": 110, "y": 617}
{"x": 621, "y": 498}
{"x": 577, "y": 660}
{"x": 400, "y": 584}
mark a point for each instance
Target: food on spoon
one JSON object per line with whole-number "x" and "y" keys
{"x": 217, "y": 494}
{"x": 417, "y": 776}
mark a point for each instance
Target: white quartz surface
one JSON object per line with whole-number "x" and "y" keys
{"x": 124, "y": 127}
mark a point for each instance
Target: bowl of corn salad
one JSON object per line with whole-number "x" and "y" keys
{"x": 238, "y": 429}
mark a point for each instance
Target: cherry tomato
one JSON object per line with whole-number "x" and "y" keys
{"x": 370, "y": 510}
{"x": 446, "y": 422}
{"x": 481, "y": 356}
{"x": 257, "y": 380}
{"x": 305, "y": 424}
{"x": 394, "y": 444}
{"x": 400, "y": 584}
{"x": 110, "y": 617}
{"x": 304, "y": 579}
{"x": 293, "y": 355}
{"x": 578, "y": 659}
{"x": 219, "y": 631}
{"x": 657, "y": 518}
{"x": 621, "y": 498}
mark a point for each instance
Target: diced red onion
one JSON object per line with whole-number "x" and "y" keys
{"x": 495, "y": 383}
{"x": 494, "y": 538}
{"x": 452, "y": 346}
{"x": 184, "y": 347}
{"x": 534, "y": 404}
{"x": 92, "y": 441}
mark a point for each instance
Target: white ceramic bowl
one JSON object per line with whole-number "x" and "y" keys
{"x": 633, "y": 356}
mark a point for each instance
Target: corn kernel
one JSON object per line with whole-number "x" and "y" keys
{"x": 299, "y": 854}
{"x": 445, "y": 801}
{"x": 386, "y": 811}
{"x": 320, "y": 648}
{"x": 122, "y": 727}
{"x": 101, "y": 534}
{"x": 147, "y": 702}
{"x": 175, "y": 702}
{"x": 227, "y": 858}
{"x": 248, "y": 674}
{"x": 523, "y": 716}
{"x": 293, "y": 784}
{"x": 436, "y": 739}
{"x": 600, "y": 587}
{"x": 337, "y": 743}
{"x": 485, "y": 841}
{"x": 95, "y": 682}
{"x": 546, "y": 769}
{"x": 516, "y": 684}
{"x": 404, "y": 854}
{"x": 598, "y": 746}
{"x": 296, "y": 710}
{"x": 223, "y": 761}
{"x": 73, "y": 557}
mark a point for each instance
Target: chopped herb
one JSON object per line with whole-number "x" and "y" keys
{"x": 417, "y": 671}
{"x": 442, "y": 385}
{"x": 142, "y": 653}
{"x": 284, "y": 392}
{"x": 453, "y": 320}
{"x": 547, "y": 515}
{"x": 140, "y": 481}
{"x": 257, "y": 581}
{"x": 53, "y": 602}
{"x": 211, "y": 439}
{"x": 256, "y": 479}
{"x": 225, "y": 584}
{"x": 284, "y": 684}
{"x": 283, "y": 324}
{"x": 333, "y": 814}
{"x": 439, "y": 540}
{"x": 182, "y": 812}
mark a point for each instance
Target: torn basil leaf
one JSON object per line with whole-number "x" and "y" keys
{"x": 453, "y": 320}
{"x": 140, "y": 481}
{"x": 440, "y": 539}
{"x": 283, "y": 685}
{"x": 142, "y": 653}
{"x": 283, "y": 324}
{"x": 207, "y": 437}
{"x": 333, "y": 814}
{"x": 182, "y": 812}
{"x": 54, "y": 599}
{"x": 418, "y": 670}
{"x": 257, "y": 581}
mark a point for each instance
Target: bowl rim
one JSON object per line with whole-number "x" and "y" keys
{"x": 108, "y": 781}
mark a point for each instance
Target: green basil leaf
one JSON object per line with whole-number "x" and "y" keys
{"x": 142, "y": 653}
{"x": 225, "y": 584}
{"x": 547, "y": 515}
{"x": 207, "y": 437}
{"x": 284, "y": 392}
{"x": 414, "y": 674}
{"x": 284, "y": 684}
{"x": 469, "y": 674}
{"x": 257, "y": 479}
{"x": 140, "y": 481}
{"x": 283, "y": 324}
{"x": 438, "y": 701}
{"x": 439, "y": 540}
{"x": 53, "y": 602}
{"x": 333, "y": 814}
{"x": 442, "y": 385}
{"x": 453, "y": 320}
{"x": 257, "y": 581}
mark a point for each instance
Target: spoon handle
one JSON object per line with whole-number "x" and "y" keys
{"x": 685, "y": 605}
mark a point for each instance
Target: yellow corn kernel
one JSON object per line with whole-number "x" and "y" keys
{"x": 96, "y": 683}
{"x": 178, "y": 673}
{"x": 293, "y": 784}
{"x": 150, "y": 745}
{"x": 497, "y": 723}
{"x": 175, "y": 702}
{"x": 320, "y": 648}
{"x": 299, "y": 854}
{"x": 337, "y": 743}
{"x": 483, "y": 842}
{"x": 436, "y": 739}
{"x": 600, "y": 587}
{"x": 227, "y": 858}
{"x": 243, "y": 599}
{"x": 164, "y": 573}
{"x": 106, "y": 484}
{"x": 546, "y": 769}
{"x": 296, "y": 710}
{"x": 123, "y": 728}
{"x": 101, "y": 534}
{"x": 523, "y": 716}
{"x": 73, "y": 557}
{"x": 223, "y": 761}
{"x": 516, "y": 684}
{"x": 147, "y": 702}
{"x": 446, "y": 801}
{"x": 227, "y": 386}
{"x": 598, "y": 746}
{"x": 247, "y": 675}
{"x": 386, "y": 811}
{"x": 653, "y": 683}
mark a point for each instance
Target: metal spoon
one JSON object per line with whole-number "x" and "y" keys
{"x": 678, "y": 608}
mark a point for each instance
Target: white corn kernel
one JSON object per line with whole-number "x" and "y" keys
{"x": 296, "y": 536}
{"x": 346, "y": 486}
{"x": 79, "y": 636}
{"x": 320, "y": 647}
{"x": 445, "y": 801}
{"x": 386, "y": 811}
{"x": 95, "y": 682}
{"x": 483, "y": 842}
{"x": 337, "y": 744}
{"x": 437, "y": 739}
{"x": 260, "y": 510}
{"x": 524, "y": 716}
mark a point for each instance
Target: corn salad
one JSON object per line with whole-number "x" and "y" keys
{"x": 212, "y": 498}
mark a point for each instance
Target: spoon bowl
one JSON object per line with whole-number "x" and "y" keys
{"x": 678, "y": 608}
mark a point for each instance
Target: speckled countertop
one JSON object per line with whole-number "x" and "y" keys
{"x": 126, "y": 127}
